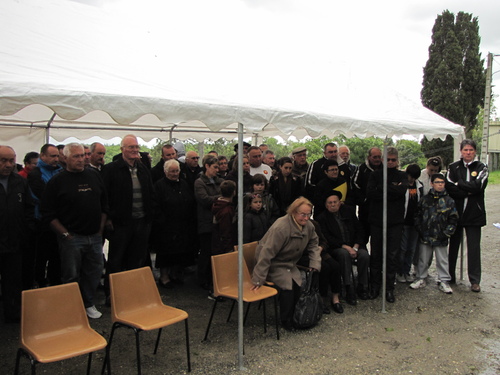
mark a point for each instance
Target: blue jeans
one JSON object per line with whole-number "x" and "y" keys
{"x": 81, "y": 262}
{"x": 408, "y": 248}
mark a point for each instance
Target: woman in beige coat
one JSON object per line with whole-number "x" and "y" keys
{"x": 279, "y": 251}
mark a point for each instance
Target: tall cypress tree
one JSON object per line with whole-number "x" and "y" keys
{"x": 454, "y": 76}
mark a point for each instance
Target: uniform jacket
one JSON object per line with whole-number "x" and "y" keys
{"x": 281, "y": 248}
{"x": 436, "y": 218}
{"x": 466, "y": 185}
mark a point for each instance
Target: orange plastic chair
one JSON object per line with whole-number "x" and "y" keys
{"x": 225, "y": 280}
{"x": 249, "y": 254}
{"x": 54, "y": 326}
{"x": 136, "y": 304}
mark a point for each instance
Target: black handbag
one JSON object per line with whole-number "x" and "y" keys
{"x": 308, "y": 310}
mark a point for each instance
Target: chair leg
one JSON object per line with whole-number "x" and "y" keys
{"x": 157, "y": 341}
{"x": 264, "y": 312}
{"x": 18, "y": 359}
{"x": 276, "y": 317}
{"x": 231, "y": 311}
{"x": 107, "y": 361}
{"x": 138, "y": 350}
{"x": 210, "y": 321}
{"x": 89, "y": 363}
{"x": 187, "y": 345}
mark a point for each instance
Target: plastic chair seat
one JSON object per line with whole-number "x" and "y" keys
{"x": 63, "y": 345}
{"x": 152, "y": 317}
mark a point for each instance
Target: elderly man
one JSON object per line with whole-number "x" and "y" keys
{"x": 466, "y": 181}
{"x": 16, "y": 220}
{"x": 190, "y": 170}
{"x": 397, "y": 184}
{"x": 131, "y": 207}
{"x": 359, "y": 184}
{"x": 300, "y": 165}
{"x": 256, "y": 165}
{"x": 167, "y": 153}
{"x": 345, "y": 158}
{"x": 48, "y": 264}
{"x": 268, "y": 158}
{"x": 97, "y": 153}
{"x": 75, "y": 205}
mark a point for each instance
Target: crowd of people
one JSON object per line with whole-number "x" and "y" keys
{"x": 59, "y": 208}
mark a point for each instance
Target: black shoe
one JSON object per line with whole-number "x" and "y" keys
{"x": 338, "y": 308}
{"x": 363, "y": 294}
{"x": 108, "y": 301}
{"x": 326, "y": 310}
{"x": 212, "y": 297}
{"x": 389, "y": 296}
{"x": 288, "y": 326}
{"x": 351, "y": 296}
{"x": 374, "y": 293}
{"x": 167, "y": 285}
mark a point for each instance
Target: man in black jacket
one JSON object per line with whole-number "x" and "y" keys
{"x": 397, "y": 182}
{"x": 131, "y": 205}
{"x": 466, "y": 181}
{"x": 17, "y": 221}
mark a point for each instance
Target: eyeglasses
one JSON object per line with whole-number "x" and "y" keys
{"x": 438, "y": 182}
{"x": 301, "y": 214}
{"x": 333, "y": 170}
{"x": 194, "y": 157}
{"x": 392, "y": 159}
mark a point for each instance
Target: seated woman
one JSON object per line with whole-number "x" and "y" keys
{"x": 279, "y": 251}
{"x": 344, "y": 234}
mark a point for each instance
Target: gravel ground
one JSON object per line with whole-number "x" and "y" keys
{"x": 424, "y": 332}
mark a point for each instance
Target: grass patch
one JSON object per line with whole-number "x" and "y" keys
{"x": 494, "y": 178}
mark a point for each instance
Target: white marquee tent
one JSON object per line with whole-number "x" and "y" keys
{"x": 60, "y": 75}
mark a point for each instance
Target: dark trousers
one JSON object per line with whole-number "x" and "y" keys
{"x": 394, "y": 235}
{"x": 346, "y": 261}
{"x": 47, "y": 262}
{"x": 473, "y": 234}
{"x": 204, "y": 265}
{"x": 128, "y": 247}
{"x": 288, "y": 300}
{"x": 329, "y": 276}
{"x": 11, "y": 273}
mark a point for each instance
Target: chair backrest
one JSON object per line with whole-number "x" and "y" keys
{"x": 249, "y": 254}
{"x": 49, "y": 311}
{"x": 225, "y": 272}
{"x": 133, "y": 290}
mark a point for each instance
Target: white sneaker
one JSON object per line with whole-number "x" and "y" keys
{"x": 420, "y": 283}
{"x": 93, "y": 313}
{"x": 409, "y": 278}
{"x": 400, "y": 278}
{"x": 445, "y": 288}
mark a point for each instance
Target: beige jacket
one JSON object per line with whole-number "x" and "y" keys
{"x": 279, "y": 251}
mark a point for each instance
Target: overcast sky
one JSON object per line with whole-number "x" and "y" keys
{"x": 265, "y": 47}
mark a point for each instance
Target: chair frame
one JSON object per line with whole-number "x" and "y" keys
{"x": 72, "y": 308}
{"x": 145, "y": 276}
{"x": 230, "y": 260}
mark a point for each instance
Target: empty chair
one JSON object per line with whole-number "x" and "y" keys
{"x": 54, "y": 326}
{"x": 225, "y": 280}
{"x": 136, "y": 304}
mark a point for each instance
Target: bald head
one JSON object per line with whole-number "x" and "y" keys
{"x": 7, "y": 160}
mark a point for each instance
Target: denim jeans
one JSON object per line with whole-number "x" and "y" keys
{"x": 82, "y": 262}
{"x": 408, "y": 248}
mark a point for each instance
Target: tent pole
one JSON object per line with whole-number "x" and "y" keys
{"x": 240, "y": 247}
{"x": 384, "y": 228}
{"x": 49, "y": 123}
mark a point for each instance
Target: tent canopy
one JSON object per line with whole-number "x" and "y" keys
{"x": 59, "y": 76}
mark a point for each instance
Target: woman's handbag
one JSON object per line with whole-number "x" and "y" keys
{"x": 308, "y": 310}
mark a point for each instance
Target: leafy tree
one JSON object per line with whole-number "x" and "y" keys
{"x": 454, "y": 76}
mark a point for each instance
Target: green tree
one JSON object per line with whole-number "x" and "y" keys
{"x": 454, "y": 77}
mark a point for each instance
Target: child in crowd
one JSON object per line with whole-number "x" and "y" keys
{"x": 269, "y": 205}
{"x": 435, "y": 222}
{"x": 255, "y": 223}
{"x": 224, "y": 235}
{"x": 410, "y": 236}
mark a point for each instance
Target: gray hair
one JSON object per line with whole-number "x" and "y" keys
{"x": 67, "y": 149}
{"x": 170, "y": 163}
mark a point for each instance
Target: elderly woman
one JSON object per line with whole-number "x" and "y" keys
{"x": 279, "y": 251}
{"x": 172, "y": 236}
{"x": 206, "y": 191}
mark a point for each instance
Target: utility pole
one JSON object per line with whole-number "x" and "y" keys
{"x": 487, "y": 107}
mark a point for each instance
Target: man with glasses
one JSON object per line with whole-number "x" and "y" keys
{"x": 131, "y": 206}
{"x": 397, "y": 183}
{"x": 300, "y": 165}
{"x": 190, "y": 170}
{"x": 372, "y": 163}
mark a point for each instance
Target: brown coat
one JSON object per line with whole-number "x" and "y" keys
{"x": 279, "y": 251}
